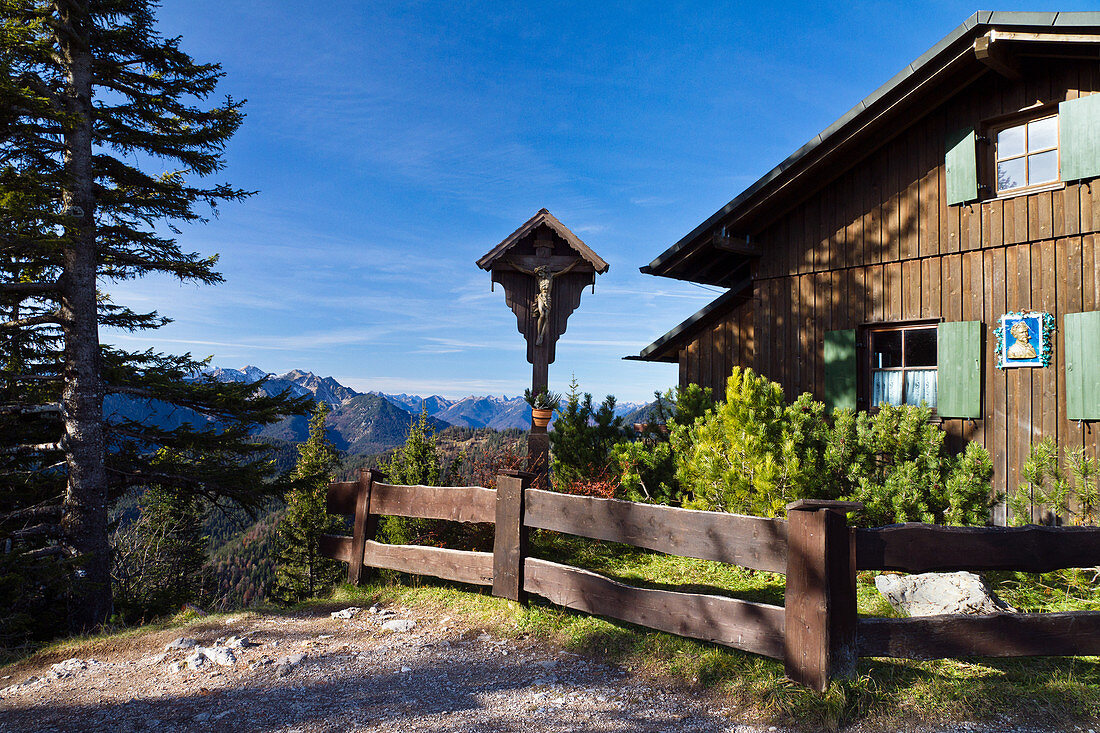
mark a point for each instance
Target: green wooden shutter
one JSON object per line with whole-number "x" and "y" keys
{"x": 962, "y": 166}
{"x": 840, "y": 369}
{"x": 1082, "y": 344}
{"x": 959, "y": 382}
{"x": 1079, "y": 138}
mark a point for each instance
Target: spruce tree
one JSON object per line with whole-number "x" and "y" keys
{"x": 302, "y": 571}
{"x": 106, "y": 133}
{"x": 159, "y": 559}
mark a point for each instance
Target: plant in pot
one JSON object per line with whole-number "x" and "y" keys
{"x": 542, "y": 405}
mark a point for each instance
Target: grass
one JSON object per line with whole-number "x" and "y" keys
{"x": 1056, "y": 691}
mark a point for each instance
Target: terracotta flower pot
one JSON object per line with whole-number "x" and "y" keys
{"x": 541, "y": 418}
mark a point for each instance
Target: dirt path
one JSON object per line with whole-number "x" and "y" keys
{"x": 373, "y": 671}
{"x": 316, "y": 673}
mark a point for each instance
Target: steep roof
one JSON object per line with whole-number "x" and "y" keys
{"x": 543, "y": 217}
{"x": 695, "y": 258}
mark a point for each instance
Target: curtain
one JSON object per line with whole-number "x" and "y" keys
{"x": 886, "y": 387}
{"x": 920, "y": 386}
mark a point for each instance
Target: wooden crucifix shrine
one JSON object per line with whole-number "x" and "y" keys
{"x": 543, "y": 267}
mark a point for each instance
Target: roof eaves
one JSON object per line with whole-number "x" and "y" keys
{"x": 653, "y": 351}
{"x": 980, "y": 18}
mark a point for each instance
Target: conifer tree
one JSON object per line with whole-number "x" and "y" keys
{"x": 302, "y": 571}
{"x": 105, "y": 134}
{"x": 159, "y": 559}
{"x": 583, "y": 436}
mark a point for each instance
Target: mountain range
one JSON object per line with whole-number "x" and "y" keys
{"x": 373, "y": 422}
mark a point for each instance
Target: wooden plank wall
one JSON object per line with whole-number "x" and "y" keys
{"x": 718, "y": 346}
{"x": 880, "y": 244}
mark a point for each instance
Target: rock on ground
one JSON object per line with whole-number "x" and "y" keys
{"x": 932, "y": 594}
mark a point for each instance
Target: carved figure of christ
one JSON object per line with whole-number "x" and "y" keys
{"x": 544, "y": 278}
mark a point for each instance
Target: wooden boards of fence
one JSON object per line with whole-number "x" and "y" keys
{"x": 461, "y": 566}
{"x": 1075, "y": 633}
{"x": 922, "y": 548}
{"x": 753, "y": 627}
{"x": 752, "y": 542}
{"x": 454, "y": 503}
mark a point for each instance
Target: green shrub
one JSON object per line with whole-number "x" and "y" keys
{"x": 895, "y": 462}
{"x": 756, "y": 452}
{"x": 647, "y": 466}
{"x": 1055, "y": 491}
{"x": 582, "y": 438}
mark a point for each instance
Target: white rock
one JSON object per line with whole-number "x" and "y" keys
{"x": 349, "y": 612}
{"x": 195, "y": 660}
{"x": 221, "y": 655}
{"x": 406, "y": 669}
{"x": 237, "y": 642}
{"x": 932, "y": 594}
{"x": 183, "y": 642}
{"x": 400, "y": 625}
{"x": 174, "y": 668}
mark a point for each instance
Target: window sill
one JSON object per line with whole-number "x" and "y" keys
{"x": 1016, "y": 193}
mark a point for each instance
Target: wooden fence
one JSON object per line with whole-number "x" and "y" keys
{"x": 817, "y": 632}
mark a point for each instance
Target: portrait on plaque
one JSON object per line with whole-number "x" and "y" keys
{"x": 1024, "y": 339}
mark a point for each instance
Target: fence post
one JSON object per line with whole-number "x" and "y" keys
{"x": 510, "y": 541}
{"x": 819, "y": 637}
{"x": 364, "y": 526}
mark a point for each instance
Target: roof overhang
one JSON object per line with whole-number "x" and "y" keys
{"x": 543, "y": 217}
{"x": 667, "y": 348}
{"x": 969, "y": 51}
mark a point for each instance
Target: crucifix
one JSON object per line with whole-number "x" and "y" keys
{"x": 543, "y": 267}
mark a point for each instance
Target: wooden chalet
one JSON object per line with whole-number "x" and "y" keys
{"x": 876, "y": 262}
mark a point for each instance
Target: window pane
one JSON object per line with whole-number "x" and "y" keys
{"x": 886, "y": 350}
{"x": 920, "y": 347}
{"x": 1011, "y": 174}
{"x": 1042, "y": 134}
{"x": 1042, "y": 168}
{"x": 886, "y": 387}
{"x": 1010, "y": 142}
{"x": 920, "y": 386}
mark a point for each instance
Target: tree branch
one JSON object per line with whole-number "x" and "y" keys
{"x": 38, "y": 530}
{"x": 31, "y": 448}
{"x": 53, "y": 318}
{"x": 34, "y": 512}
{"x": 27, "y": 409}
{"x": 29, "y": 288}
{"x": 58, "y": 550}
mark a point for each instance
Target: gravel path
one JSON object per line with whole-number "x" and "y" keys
{"x": 317, "y": 673}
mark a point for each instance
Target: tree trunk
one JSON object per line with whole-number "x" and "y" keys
{"x": 85, "y": 512}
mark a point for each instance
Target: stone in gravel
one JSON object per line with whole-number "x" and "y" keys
{"x": 400, "y": 625}
{"x": 547, "y": 663}
{"x": 174, "y": 668}
{"x": 183, "y": 642}
{"x": 236, "y": 642}
{"x": 406, "y": 669}
{"x": 221, "y": 655}
{"x": 70, "y": 667}
{"x": 195, "y": 660}
{"x": 292, "y": 660}
{"x": 348, "y": 612}
{"x": 201, "y": 717}
{"x": 932, "y": 594}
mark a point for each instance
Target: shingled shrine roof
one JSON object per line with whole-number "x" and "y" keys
{"x": 541, "y": 218}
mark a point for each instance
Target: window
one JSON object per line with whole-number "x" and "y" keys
{"x": 1026, "y": 154}
{"x": 902, "y": 368}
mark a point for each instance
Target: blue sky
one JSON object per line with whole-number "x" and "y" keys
{"x": 392, "y": 144}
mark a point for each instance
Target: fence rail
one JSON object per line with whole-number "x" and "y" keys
{"x": 817, "y": 632}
